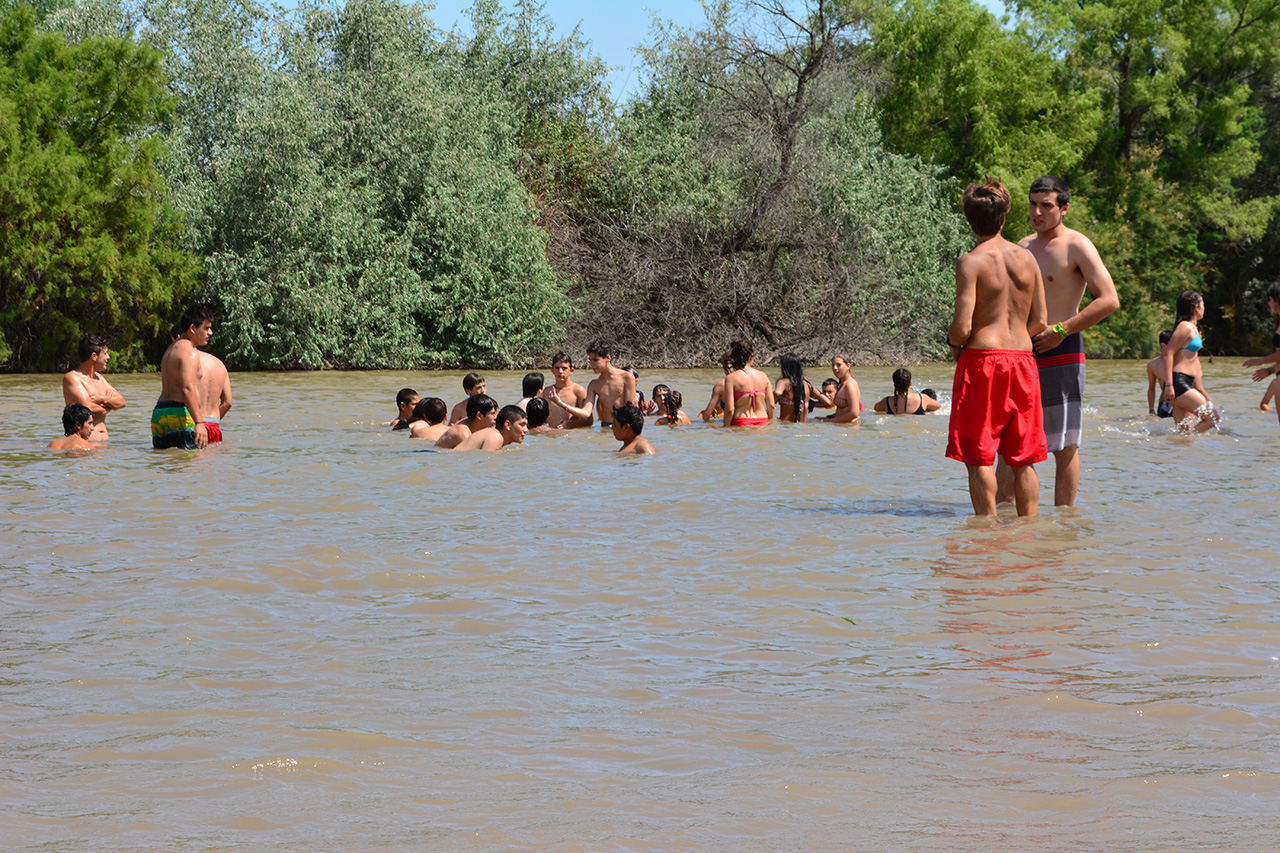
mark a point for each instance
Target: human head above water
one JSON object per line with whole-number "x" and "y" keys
{"x": 471, "y": 380}
{"x": 539, "y": 410}
{"x": 1187, "y": 302}
{"x": 196, "y": 315}
{"x": 90, "y": 345}
{"x": 74, "y": 417}
{"x": 1052, "y": 184}
{"x": 480, "y": 404}
{"x": 628, "y": 415}
{"x": 406, "y": 397}
{"x": 433, "y": 410}
{"x": 509, "y": 415}
{"x": 1166, "y": 336}
{"x": 673, "y": 402}
{"x": 901, "y": 380}
{"x": 986, "y": 206}
{"x": 561, "y": 358}
{"x": 740, "y": 353}
{"x": 600, "y": 349}
{"x": 532, "y": 384}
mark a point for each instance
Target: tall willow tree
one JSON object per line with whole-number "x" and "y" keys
{"x": 86, "y": 243}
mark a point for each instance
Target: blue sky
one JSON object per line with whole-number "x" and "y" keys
{"x": 613, "y": 28}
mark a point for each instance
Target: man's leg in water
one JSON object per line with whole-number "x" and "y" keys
{"x": 1026, "y": 488}
{"x": 1004, "y": 482}
{"x": 1066, "y": 476}
{"x": 982, "y": 489}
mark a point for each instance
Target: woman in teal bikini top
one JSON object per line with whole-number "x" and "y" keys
{"x": 1182, "y": 374}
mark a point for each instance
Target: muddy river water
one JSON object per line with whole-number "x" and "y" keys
{"x": 320, "y": 636}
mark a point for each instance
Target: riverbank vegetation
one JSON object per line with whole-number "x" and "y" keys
{"x": 351, "y": 186}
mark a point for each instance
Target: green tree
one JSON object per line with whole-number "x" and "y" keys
{"x": 365, "y": 213}
{"x": 968, "y": 93}
{"x": 87, "y": 243}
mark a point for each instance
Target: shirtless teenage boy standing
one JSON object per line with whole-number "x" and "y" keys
{"x": 86, "y": 386}
{"x": 177, "y": 420}
{"x": 570, "y": 394}
{"x": 995, "y": 398}
{"x": 1069, "y": 264}
{"x": 611, "y": 388}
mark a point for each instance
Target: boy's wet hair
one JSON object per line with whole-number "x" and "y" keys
{"x": 480, "y": 404}
{"x": 629, "y": 415}
{"x": 90, "y": 345}
{"x": 405, "y": 396}
{"x": 1273, "y": 292}
{"x": 656, "y": 389}
{"x": 532, "y": 384}
{"x": 561, "y": 358}
{"x": 1166, "y": 336}
{"x": 430, "y": 409}
{"x": 830, "y": 382}
{"x": 73, "y": 417}
{"x": 673, "y": 402}
{"x": 196, "y": 315}
{"x": 600, "y": 348}
{"x": 1052, "y": 184}
{"x": 539, "y": 410}
{"x": 508, "y": 415}
{"x": 929, "y": 392}
{"x": 986, "y": 206}
{"x": 471, "y": 380}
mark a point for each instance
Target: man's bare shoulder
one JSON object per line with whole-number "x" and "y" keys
{"x": 212, "y": 361}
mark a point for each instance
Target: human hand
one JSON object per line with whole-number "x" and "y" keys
{"x": 1047, "y": 340}
{"x": 202, "y": 435}
{"x": 1261, "y": 373}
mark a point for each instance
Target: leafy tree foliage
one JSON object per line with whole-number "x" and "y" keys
{"x": 87, "y": 244}
{"x": 751, "y": 195}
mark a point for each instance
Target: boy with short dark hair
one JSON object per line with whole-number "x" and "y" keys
{"x": 568, "y": 392}
{"x": 473, "y": 383}
{"x": 509, "y": 427}
{"x": 428, "y": 419}
{"x": 77, "y": 423}
{"x": 406, "y": 399}
{"x": 481, "y": 414}
{"x": 530, "y": 387}
{"x": 628, "y": 423}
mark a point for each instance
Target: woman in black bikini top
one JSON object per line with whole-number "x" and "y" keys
{"x": 900, "y": 402}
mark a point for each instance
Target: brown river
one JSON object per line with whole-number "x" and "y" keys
{"x": 321, "y": 636}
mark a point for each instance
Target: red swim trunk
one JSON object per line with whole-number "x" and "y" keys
{"x": 995, "y": 406}
{"x": 748, "y": 422}
{"x": 215, "y": 432}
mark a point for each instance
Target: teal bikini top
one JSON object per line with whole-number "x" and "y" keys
{"x": 1195, "y": 343}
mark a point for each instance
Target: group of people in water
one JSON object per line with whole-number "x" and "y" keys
{"x": 745, "y": 397}
{"x": 1017, "y": 395}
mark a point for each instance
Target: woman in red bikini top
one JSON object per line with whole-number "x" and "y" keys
{"x": 748, "y": 393}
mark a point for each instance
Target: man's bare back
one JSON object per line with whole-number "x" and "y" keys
{"x": 215, "y": 387}
{"x": 999, "y": 287}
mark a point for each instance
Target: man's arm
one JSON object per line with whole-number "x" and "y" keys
{"x": 585, "y": 412}
{"x": 1038, "y": 319}
{"x": 1151, "y": 391}
{"x": 709, "y": 412}
{"x": 966, "y": 297}
{"x": 629, "y": 389}
{"x": 74, "y": 391}
{"x": 224, "y": 400}
{"x": 111, "y": 398}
